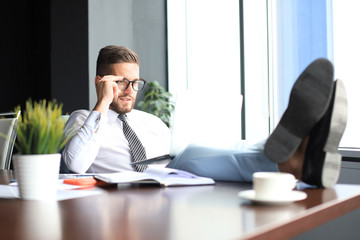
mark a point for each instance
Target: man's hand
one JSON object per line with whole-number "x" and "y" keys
{"x": 106, "y": 90}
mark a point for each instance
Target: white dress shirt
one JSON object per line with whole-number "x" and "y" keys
{"x": 100, "y": 146}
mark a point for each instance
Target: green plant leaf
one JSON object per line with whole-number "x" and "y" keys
{"x": 157, "y": 102}
{"x": 41, "y": 128}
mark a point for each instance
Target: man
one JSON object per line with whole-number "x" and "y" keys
{"x": 100, "y": 144}
{"x": 304, "y": 143}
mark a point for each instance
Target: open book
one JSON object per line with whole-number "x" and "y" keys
{"x": 164, "y": 176}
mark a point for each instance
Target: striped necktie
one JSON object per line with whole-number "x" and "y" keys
{"x": 137, "y": 149}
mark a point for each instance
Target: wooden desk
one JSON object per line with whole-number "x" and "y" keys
{"x": 203, "y": 212}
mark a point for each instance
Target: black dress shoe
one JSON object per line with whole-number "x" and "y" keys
{"x": 322, "y": 160}
{"x": 309, "y": 100}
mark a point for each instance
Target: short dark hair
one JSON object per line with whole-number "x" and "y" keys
{"x": 114, "y": 54}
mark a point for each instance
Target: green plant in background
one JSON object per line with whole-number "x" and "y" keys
{"x": 157, "y": 102}
{"x": 41, "y": 128}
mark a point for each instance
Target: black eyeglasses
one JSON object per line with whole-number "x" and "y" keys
{"x": 137, "y": 84}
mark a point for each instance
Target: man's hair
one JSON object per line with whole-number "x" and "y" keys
{"x": 114, "y": 54}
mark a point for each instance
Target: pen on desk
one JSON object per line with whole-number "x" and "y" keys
{"x": 84, "y": 175}
{"x": 67, "y": 175}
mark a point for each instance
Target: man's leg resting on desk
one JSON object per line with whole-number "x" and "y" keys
{"x": 304, "y": 143}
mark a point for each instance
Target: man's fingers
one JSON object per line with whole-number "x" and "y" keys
{"x": 111, "y": 78}
{"x": 116, "y": 90}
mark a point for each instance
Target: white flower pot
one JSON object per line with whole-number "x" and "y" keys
{"x": 37, "y": 176}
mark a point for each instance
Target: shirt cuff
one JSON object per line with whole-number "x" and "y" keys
{"x": 94, "y": 119}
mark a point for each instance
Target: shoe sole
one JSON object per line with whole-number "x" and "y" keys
{"x": 332, "y": 161}
{"x": 309, "y": 100}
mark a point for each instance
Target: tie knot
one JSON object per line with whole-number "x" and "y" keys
{"x": 122, "y": 117}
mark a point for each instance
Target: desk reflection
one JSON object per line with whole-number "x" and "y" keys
{"x": 41, "y": 220}
{"x": 135, "y": 212}
{"x": 140, "y": 212}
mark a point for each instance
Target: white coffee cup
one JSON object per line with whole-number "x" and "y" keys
{"x": 273, "y": 185}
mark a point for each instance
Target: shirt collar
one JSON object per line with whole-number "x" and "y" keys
{"x": 112, "y": 115}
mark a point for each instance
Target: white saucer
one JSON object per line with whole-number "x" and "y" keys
{"x": 289, "y": 198}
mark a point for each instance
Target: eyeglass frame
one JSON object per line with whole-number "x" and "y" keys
{"x": 132, "y": 84}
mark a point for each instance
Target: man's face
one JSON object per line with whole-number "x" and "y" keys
{"x": 126, "y": 99}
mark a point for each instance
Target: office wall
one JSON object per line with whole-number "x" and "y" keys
{"x": 24, "y": 52}
{"x": 48, "y": 49}
{"x": 43, "y": 52}
{"x": 139, "y": 25}
{"x": 69, "y": 53}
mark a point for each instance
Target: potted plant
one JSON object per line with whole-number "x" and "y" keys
{"x": 39, "y": 140}
{"x": 157, "y": 102}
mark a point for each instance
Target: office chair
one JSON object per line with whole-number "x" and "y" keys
{"x": 63, "y": 167}
{"x": 8, "y": 132}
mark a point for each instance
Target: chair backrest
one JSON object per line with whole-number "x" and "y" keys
{"x": 8, "y": 132}
{"x": 63, "y": 167}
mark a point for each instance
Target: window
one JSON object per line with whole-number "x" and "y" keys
{"x": 300, "y": 32}
{"x": 346, "y": 59}
{"x": 204, "y": 67}
{"x": 280, "y": 38}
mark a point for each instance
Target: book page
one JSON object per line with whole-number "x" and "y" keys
{"x": 172, "y": 177}
{"x": 164, "y": 176}
{"x": 126, "y": 177}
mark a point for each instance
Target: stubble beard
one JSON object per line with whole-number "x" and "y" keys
{"x": 120, "y": 108}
